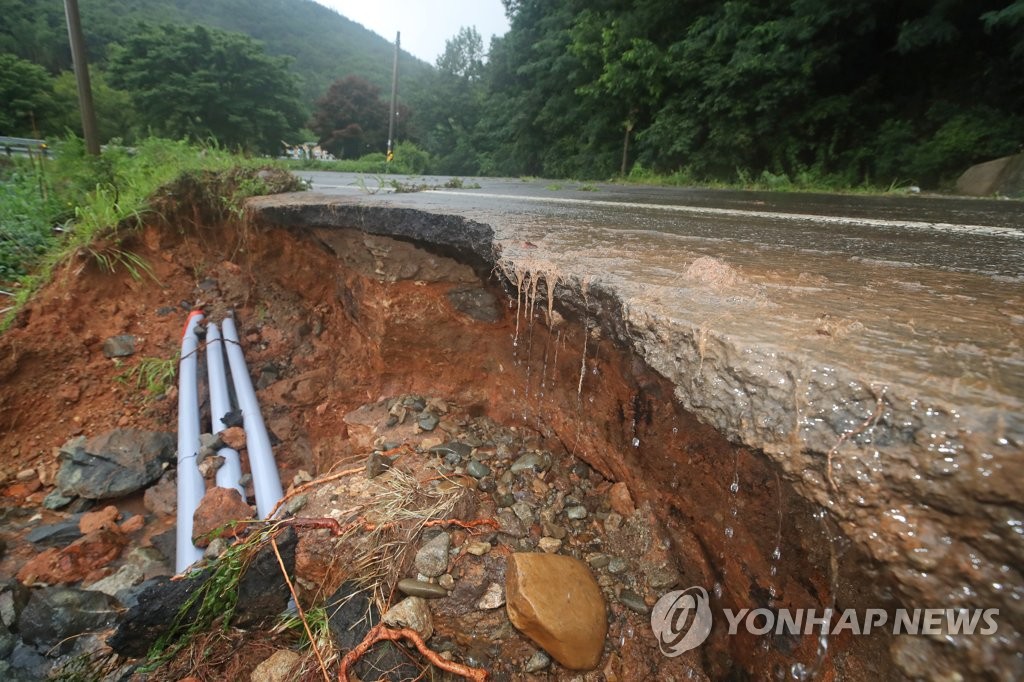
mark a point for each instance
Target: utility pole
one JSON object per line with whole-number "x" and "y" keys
{"x": 92, "y": 141}
{"x": 394, "y": 99}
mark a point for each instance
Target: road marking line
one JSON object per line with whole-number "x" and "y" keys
{"x": 987, "y": 230}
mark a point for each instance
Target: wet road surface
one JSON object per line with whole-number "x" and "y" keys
{"x": 921, "y": 292}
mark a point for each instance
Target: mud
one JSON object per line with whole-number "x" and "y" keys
{"x": 343, "y": 305}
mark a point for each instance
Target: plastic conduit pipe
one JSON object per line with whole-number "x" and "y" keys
{"x": 265, "y": 478}
{"x": 229, "y": 475}
{"x": 190, "y": 482}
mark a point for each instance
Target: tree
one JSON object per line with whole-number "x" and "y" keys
{"x": 26, "y": 97}
{"x": 203, "y": 83}
{"x": 463, "y": 55}
{"x": 351, "y": 120}
{"x": 115, "y": 116}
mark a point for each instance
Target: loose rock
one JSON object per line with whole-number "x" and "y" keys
{"x": 555, "y": 601}
{"x": 74, "y": 562}
{"x": 620, "y": 499}
{"x": 419, "y": 588}
{"x": 492, "y": 599}
{"x": 53, "y": 614}
{"x": 120, "y": 346}
{"x": 413, "y": 613}
{"x": 215, "y": 514}
{"x": 278, "y": 667}
{"x": 537, "y": 662}
{"x": 432, "y": 558}
{"x": 114, "y": 464}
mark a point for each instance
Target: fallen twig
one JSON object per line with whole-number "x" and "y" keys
{"x": 380, "y": 633}
{"x": 298, "y": 607}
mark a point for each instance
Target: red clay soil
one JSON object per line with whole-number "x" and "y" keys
{"x": 336, "y": 319}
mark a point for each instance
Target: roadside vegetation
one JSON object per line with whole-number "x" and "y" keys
{"x": 867, "y": 95}
{"x": 75, "y": 204}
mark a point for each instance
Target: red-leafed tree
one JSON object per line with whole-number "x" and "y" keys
{"x": 351, "y": 119}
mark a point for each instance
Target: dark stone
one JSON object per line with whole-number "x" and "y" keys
{"x": 457, "y": 450}
{"x": 7, "y": 641}
{"x": 165, "y": 310}
{"x": 13, "y": 598}
{"x": 232, "y": 418}
{"x": 262, "y": 591}
{"x": 479, "y": 304}
{"x": 56, "y": 501}
{"x": 60, "y": 534}
{"x": 262, "y": 594}
{"x": 55, "y": 614}
{"x": 154, "y": 613}
{"x": 377, "y": 464}
{"x": 165, "y": 543}
{"x": 353, "y": 613}
{"x": 120, "y": 346}
{"x": 428, "y": 421}
{"x": 25, "y": 664}
{"x": 114, "y": 464}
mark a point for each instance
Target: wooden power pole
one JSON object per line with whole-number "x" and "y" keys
{"x": 92, "y": 140}
{"x": 394, "y": 99}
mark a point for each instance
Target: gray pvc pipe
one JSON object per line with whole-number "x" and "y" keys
{"x": 190, "y": 482}
{"x": 229, "y": 475}
{"x": 265, "y": 478}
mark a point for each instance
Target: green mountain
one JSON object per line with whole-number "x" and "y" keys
{"x": 323, "y": 44}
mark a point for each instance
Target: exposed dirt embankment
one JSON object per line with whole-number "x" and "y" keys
{"x": 342, "y": 306}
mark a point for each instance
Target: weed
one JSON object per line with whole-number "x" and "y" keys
{"x": 587, "y": 187}
{"x": 156, "y": 375}
{"x": 554, "y": 187}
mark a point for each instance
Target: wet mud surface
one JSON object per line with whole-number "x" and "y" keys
{"x": 721, "y": 445}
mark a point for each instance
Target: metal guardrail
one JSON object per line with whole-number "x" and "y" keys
{"x": 23, "y": 146}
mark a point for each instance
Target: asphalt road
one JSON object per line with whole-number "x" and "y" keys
{"x": 920, "y": 291}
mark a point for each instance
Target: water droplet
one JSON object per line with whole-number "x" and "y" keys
{"x": 675, "y": 429}
{"x": 636, "y": 442}
{"x": 773, "y": 570}
{"x": 728, "y": 531}
{"x": 776, "y": 553}
{"x": 735, "y": 487}
{"x": 717, "y": 589}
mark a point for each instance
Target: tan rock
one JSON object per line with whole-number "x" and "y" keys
{"x": 215, "y": 514}
{"x": 135, "y": 523}
{"x": 95, "y": 520}
{"x": 554, "y": 600}
{"x": 278, "y": 667}
{"x": 620, "y": 500}
{"x": 233, "y": 437}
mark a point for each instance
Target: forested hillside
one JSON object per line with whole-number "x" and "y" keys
{"x": 782, "y": 92}
{"x": 853, "y": 90}
{"x": 323, "y": 44}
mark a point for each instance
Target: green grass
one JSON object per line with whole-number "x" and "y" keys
{"x": 79, "y": 204}
{"x": 156, "y": 375}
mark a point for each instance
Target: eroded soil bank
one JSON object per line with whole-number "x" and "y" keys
{"x": 335, "y": 318}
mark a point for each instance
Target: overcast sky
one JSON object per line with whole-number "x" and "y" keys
{"x": 425, "y": 24}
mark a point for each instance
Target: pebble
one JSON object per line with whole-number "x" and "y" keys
{"x": 413, "y": 613}
{"x": 419, "y": 588}
{"x": 511, "y": 524}
{"x": 478, "y": 469}
{"x": 554, "y": 530}
{"x": 549, "y": 545}
{"x": 617, "y": 565}
{"x": 598, "y": 560}
{"x": 633, "y": 601}
{"x": 446, "y": 581}
{"x": 26, "y": 474}
{"x": 478, "y": 548}
{"x": 524, "y": 512}
{"x": 530, "y": 460}
{"x": 537, "y": 662}
{"x": 428, "y": 421}
{"x": 576, "y": 513}
{"x": 612, "y": 522}
{"x": 493, "y": 598}
{"x": 432, "y": 558}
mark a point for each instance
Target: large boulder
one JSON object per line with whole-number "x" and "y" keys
{"x": 554, "y": 600}
{"x": 114, "y": 464}
{"x": 1003, "y": 176}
